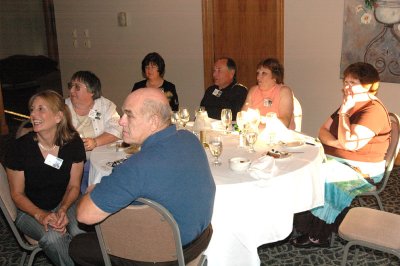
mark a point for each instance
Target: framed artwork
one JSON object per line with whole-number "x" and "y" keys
{"x": 371, "y": 33}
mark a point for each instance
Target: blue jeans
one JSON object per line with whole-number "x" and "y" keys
{"x": 52, "y": 242}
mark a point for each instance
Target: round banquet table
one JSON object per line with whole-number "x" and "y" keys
{"x": 248, "y": 212}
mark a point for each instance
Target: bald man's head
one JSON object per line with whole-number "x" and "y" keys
{"x": 146, "y": 111}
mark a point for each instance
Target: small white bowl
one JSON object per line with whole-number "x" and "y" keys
{"x": 239, "y": 164}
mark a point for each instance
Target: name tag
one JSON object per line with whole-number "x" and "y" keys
{"x": 217, "y": 92}
{"x": 267, "y": 102}
{"x": 53, "y": 161}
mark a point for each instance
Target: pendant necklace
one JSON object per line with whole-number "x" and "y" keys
{"x": 46, "y": 149}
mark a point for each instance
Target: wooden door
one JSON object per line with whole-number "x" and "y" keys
{"x": 246, "y": 30}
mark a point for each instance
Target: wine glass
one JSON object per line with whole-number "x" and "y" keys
{"x": 226, "y": 118}
{"x": 241, "y": 123}
{"x": 175, "y": 118}
{"x": 254, "y": 118}
{"x": 251, "y": 137}
{"x": 215, "y": 146}
{"x": 240, "y": 120}
{"x": 184, "y": 115}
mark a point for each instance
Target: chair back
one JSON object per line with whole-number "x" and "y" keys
{"x": 297, "y": 113}
{"x": 147, "y": 233}
{"x": 6, "y": 201}
{"x": 393, "y": 148}
{"x": 10, "y": 213}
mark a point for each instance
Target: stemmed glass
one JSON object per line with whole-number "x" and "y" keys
{"x": 251, "y": 137}
{"x": 175, "y": 118}
{"x": 184, "y": 116}
{"x": 226, "y": 118}
{"x": 254, "y": 118}
{"x": 242, "y": 125}
{"x": 215, "y": 146}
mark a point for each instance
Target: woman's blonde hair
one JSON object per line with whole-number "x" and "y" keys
{"x": 65, "y": 129}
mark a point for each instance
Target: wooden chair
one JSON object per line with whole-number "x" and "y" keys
{"x": 10, "y": 213}
{"x": 390, "y": 157}
{"x": 146, "y": 233}
{"x": 297, "y": 113}
{"x": 370, "y": 228}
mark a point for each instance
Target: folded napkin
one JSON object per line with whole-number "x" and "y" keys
{"x": 217, "y": 125}
{"x": 262, "y": 168}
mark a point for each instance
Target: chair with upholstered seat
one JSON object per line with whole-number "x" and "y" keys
{"x": 146, "y": 233}
{"x": 370, "y": 228}
{"x": 10, "y": 213}
{"x": 390, "y": 157}
{"x": 297, "y": 113}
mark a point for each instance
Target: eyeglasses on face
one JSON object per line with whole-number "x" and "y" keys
{"x": 77, "y": 85}
{"x": 351, "y": 83}
{"x": 148, "y": 67}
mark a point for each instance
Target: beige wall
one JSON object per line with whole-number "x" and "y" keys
{"x": 172, "y": 28}
{"x": 313, "y": 38}
{"x": 313, "y": 41}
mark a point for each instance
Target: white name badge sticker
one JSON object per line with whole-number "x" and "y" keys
{"x": 267, "y": 102}
{"x": 217, "y": 92}
{"x": 53, "y": 161}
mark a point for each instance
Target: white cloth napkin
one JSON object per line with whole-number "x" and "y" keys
{"x": 262, "y": 168}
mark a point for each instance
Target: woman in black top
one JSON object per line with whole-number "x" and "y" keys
{"x": 44, "y": 169}
{"x": 153, "y": 69}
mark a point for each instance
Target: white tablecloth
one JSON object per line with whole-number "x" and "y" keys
{"x": 99, "y": 157}
{"x": 248, "y": 212}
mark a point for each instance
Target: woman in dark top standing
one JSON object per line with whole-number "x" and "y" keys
{"x": 44, "y": 169}
{"x": 153, "y": 70}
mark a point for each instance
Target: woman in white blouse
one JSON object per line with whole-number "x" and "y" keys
{"x": 94, "y": 117}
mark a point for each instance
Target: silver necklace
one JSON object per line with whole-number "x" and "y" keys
{"x": 46, "y": 149}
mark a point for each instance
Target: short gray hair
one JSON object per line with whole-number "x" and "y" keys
{"x": 163, "y": 111}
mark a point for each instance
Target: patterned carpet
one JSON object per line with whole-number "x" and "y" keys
{"x": 279, "y": 255}
{"x": 288, "y": 255}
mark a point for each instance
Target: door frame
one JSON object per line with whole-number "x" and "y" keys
{"x": 208, "y": 37}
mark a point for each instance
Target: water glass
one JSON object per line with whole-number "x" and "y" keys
{"x": 175, "y": 118}
{"x": 215, "y": 146}
{"x": 184, "y": 116}
{"x": 226, "y": 118}
{"x": 251, "y": 138}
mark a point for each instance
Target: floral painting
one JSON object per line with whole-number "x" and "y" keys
{"x": 371, "y": 33}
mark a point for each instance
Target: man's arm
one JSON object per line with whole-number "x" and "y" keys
{"x": 88, "y": 213}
